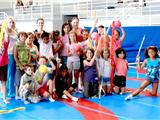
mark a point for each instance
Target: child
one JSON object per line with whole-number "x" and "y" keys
{"x": 27, "y": 89}
{"x": 66, "y": 28}
{"x": 90, "y": 74}
{"x": 33, "y": 49}
{"x": 45, "y": 84}
{"x": 152, "y": 63}
{"x": 22, "y": 57}
{"x": 121, "y": 67}
{"x": 105, "y": 69}
{"x": 117, "y": 38}
{"x": 57, "y": 44}
{"x": 62, "y": 88}
{"x": 73, "y": 62}
{"x": 45, "y": 46}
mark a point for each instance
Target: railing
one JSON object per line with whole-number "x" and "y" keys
{"x": 3, "y": 15}
{"x": 85, "y": 9}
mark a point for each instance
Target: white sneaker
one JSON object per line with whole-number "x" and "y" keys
{"x": 128, "y": 97}
{"x": 17, "y": 97}
{"x": 75, "y": 99}
{"x": 51, "y": 99}
{"x": 64, "y": 96}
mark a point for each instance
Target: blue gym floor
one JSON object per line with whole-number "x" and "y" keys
{"x": 110, "y": 107}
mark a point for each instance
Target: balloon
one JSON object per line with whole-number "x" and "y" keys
{"x": 43, "y": 69}
{"x": 77, "y": 47}
{"x": 117, "y": 23}
{"x": 94, "y": 36}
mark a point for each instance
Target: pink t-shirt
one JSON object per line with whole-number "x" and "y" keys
{"x": 65, "y": 41}
{"x": 121, "y": 67}
{"x": 4, "y": 54}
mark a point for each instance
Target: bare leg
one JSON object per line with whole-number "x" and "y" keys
{"x": 65, "y": 92}
{"x": 116, "y": 89}
{"x": 141, "y": 88}
{"x": 76, "y": 75}
{"x": 154, "y": 89}
{"x": 3, "y": 89}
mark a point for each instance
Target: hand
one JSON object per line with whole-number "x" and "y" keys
{"x": 138, "y": 58}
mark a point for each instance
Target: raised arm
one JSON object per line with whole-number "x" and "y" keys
{"x": 123, "y": 34}
{"x": 94, "y": 25}
{"x": 141, "y": 66}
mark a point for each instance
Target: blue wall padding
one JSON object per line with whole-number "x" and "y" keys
{"x": 134, "y": 37}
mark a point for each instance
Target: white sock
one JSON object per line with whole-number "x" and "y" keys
{"x": 129, "y": 97}
{"x": 75, "y": 99}
{"x": 64, "y": 96}
{"x": 51, "y": 99}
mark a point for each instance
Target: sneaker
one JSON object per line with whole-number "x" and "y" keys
{"x": 128, "y": 97}
{"x": 26, "y": 102}
{"x": 17, "y": 97}
{"x": 75, "y": 99}
{"x": 6, "y": 101}
{"x": 51, "y": 99}
{"x": 64, "y": 96}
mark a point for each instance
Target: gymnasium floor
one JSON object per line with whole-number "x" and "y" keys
{"x": 111, "y": 107}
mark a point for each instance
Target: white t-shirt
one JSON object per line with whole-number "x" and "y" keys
{"x": 104, "y": 67}
{"x": 46, "y": 49}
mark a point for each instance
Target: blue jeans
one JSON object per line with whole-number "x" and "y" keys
{"x": 11, "y": 76}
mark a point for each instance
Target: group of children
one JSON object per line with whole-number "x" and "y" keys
{"x": 46, "y": 61}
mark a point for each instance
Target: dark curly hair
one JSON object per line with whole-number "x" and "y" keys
{"x": 154, "y": 48}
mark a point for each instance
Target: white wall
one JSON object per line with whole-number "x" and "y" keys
{"x": 31, "y": 26}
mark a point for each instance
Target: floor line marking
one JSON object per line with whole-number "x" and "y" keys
{"x": 91, "y": 109}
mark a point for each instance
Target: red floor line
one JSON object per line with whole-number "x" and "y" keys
{"x": 94, "y": 111}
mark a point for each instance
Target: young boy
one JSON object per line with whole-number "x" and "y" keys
{"x": 22, "y": 57}
{"x": 45, "y": 46}
{"x": 42, "y": 76}
{"x": 27, "y": 89}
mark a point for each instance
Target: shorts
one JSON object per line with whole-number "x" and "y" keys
{"x": 18, "y": 76}
{"x": 74, "y": 65}
{"x": 152, "y": 80}
{"x": 105, "y": 80}
{"x": 119, "y": 81}
{"x": 43, "y": 89}
{"x": 3, "y": 73}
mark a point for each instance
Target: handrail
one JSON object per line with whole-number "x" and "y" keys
{"x": 84, "y": 9}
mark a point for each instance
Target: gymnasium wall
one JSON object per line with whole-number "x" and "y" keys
{"x": 134, "y": 37}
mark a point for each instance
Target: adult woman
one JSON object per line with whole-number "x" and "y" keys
{"x": 12, "y": 37}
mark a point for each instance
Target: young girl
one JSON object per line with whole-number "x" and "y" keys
{"x": 62, "y": 88}
{"x": 33, "y": 49}
{"x": 118, "y": 39}
{"x": 152, "y": 63}
{"x": 121, "y": 67}
{"x": 105, "y": 69}
{"x": 57, "y": 44}
{"x": 73, "y": 62}
{"x": 90, "y": 74}
{"x": 66, "y": 28}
